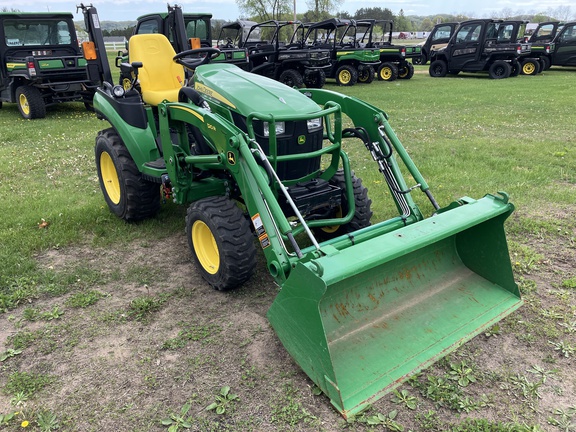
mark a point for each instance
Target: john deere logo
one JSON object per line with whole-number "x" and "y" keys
{"x": 231, "y": 158}
{"x": 302, "y": 139}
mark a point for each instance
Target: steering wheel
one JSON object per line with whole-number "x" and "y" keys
{"x": 192, "y": 63}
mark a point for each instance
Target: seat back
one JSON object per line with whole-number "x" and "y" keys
{"x": 160, "y": 76}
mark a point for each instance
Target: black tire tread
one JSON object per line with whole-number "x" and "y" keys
{"x": 35, "y": 102}
{"x": 366, "y": 75}
{"x": 233, "y": 236}
{"x": 393, "y": 69}
{"x": 291, "y": 76}
{"x": 363, "y": 213}
{"x": 353, "y": 73}
{"x": 406, "y": 72}
{"x": 142, "y": 197}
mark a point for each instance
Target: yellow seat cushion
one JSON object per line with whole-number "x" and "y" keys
{"x": 160, "y": 77}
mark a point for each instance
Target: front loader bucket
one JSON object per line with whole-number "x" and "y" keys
{"x": 362, "y": 319}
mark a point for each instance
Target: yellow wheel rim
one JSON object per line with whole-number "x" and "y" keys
{"x": 205, "y": 247}
{"x": 24, "y": 105}
{"x": 110, "y": 177}
{"x": 345, "y": 77}
{"x": 333, "y": 228}
{"x": 385, "y": 73}
{"x": 528, "y": 68}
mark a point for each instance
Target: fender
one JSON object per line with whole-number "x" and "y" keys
{"x": 128, "y": 117}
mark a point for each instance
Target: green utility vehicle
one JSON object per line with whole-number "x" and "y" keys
{"x": 41, "y": 63}
{"x": 349, "y": 63}
{"x": 362, "y": 304}
{"x": 393, "y": 58}
{"x": 290, "y": 64}
{"x": 482, "y": 45}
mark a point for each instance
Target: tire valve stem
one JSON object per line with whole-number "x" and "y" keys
{"x": 166, "y": 188}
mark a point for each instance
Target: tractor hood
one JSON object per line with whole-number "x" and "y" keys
{"x": 245, "y": 92}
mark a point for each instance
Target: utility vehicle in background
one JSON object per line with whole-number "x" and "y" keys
{"x": 349, "y": 64}
{"x": 41, "y": 63}
{"x": 482, "y": 45}
{"x": 393, "y": 58}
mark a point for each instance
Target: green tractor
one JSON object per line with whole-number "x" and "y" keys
{"x": 362, "y": 305}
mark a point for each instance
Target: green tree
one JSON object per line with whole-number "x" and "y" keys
{"x": 264, "y": 10}
{"x": 374, "y": 13}
{"x": 344, "y": 15}
{"x": 401, "y": 23}
{"x": 426, "y": 25}
{"x": 322, "y": 9}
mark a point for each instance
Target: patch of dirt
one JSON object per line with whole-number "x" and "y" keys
{"x": 113, "y": 372}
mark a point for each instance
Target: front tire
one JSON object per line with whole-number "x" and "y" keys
{"x": 128, "y": 195}
{"x": 438, "y": 69}
{"x": 346, "y": 75}
{"x": 221, "y": 242}
{"x": 315, "y": 79}
{"x": 30, "y": 102}
{"x": 292, "y": 78}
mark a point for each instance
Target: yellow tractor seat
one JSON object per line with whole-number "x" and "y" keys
{"x": 160, "y": 77}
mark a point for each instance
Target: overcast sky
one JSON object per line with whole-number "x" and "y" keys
{"x": 128, "y": 10}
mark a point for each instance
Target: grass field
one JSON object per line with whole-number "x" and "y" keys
{"x": 106, "y": 326}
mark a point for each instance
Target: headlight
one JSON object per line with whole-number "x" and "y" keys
{"x": 314, "y": 124}
{"x": 118, "y": 91}
{"x": 280, "y": 128}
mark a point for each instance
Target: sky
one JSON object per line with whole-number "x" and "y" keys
{"x": 129, "y": 10}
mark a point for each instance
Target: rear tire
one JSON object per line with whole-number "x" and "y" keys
{"x": 221, "y": 242}
{"x": 499, "y": 70}
{"x": 438, "y": 69}
{"x": 387, "y": 72}
{"x": 362, "y": 215}
{"x": 292, "y": 78}
{"x": 366, "y": 74}
{"x": 127, "y": 194}
{"x": 546, "y": 63}
{"x": 406, "y": 72}
{"x": 315, "y": 79}
{"x": 30, "y": 102}
{"x": 346, "y": 75}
